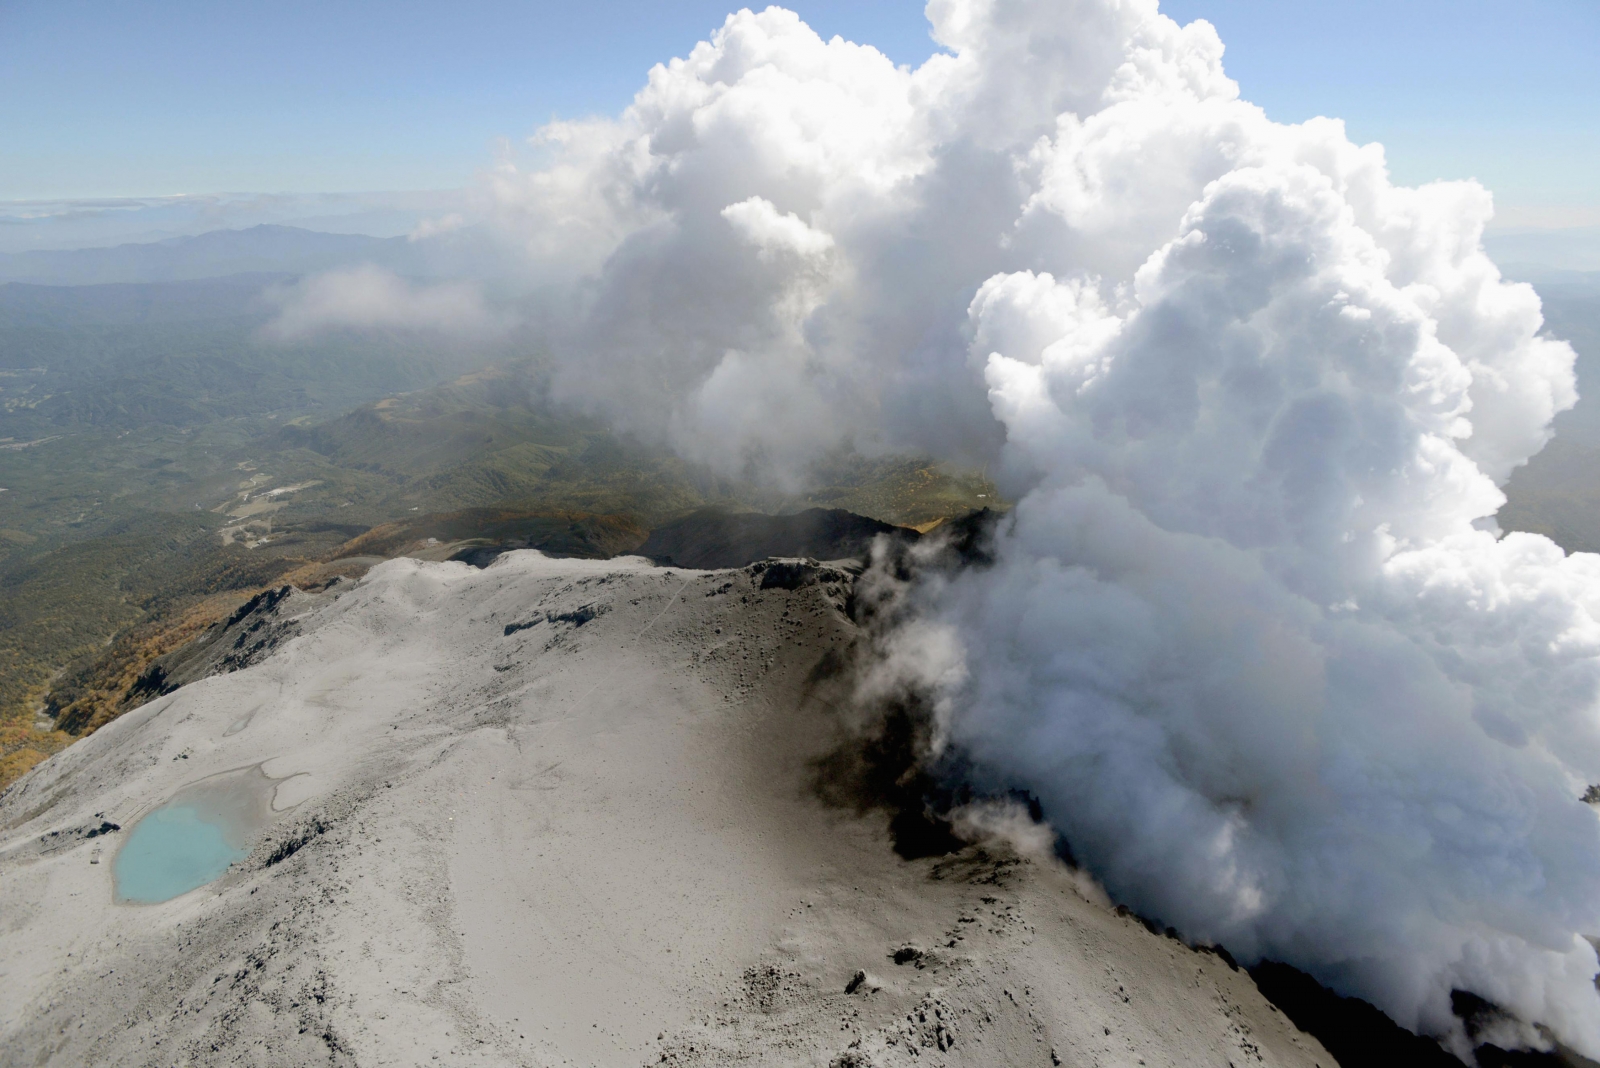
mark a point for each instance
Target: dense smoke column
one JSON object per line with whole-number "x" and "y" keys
{"x": 1251, "y": 636}
{"x": 1247, "y": 643}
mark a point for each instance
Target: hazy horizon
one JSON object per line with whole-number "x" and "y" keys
{"x": 369, "y": 121}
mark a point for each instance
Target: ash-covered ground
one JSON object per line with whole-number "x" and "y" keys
{"x": 565, "y": 812}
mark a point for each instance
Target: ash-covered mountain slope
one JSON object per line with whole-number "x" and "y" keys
{"x": 566, "y": 812}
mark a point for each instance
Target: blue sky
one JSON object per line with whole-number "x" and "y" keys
{"x": 114, "y": 98}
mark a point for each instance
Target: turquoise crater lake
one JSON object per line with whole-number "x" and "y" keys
{"x": 171, "y": 851}
{"x": 194, "y": 838}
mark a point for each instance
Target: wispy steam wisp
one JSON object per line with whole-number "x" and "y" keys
{"x": 369, "y": 297}
{"x": 1249, "y": 637}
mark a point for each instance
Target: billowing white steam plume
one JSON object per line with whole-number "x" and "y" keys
{"x": 1252, "y": 639}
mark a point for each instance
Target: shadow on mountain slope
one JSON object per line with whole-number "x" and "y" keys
{"x": 714, "y": 538}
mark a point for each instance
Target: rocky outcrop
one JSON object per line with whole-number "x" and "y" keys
{"x": 246, "y": 637}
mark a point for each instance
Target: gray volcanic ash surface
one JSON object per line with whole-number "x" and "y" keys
{"x": 601, "y": 843}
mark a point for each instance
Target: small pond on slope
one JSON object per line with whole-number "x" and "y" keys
{"x": 194, "y": 837}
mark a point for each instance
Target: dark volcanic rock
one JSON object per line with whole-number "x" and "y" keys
{"x": 1357, "y": 1033}
{"x": 246, "y": 637}
{"x": 712, "y": 538}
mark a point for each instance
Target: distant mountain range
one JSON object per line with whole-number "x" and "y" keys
{"x": 262, "y": 249}
{"x": 472, "y": 252}
{"x": 1546, "y": 254}
{"x": 29, "y": 306}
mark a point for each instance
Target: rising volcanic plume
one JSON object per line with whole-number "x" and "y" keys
{"x": 1251, "y": 635}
